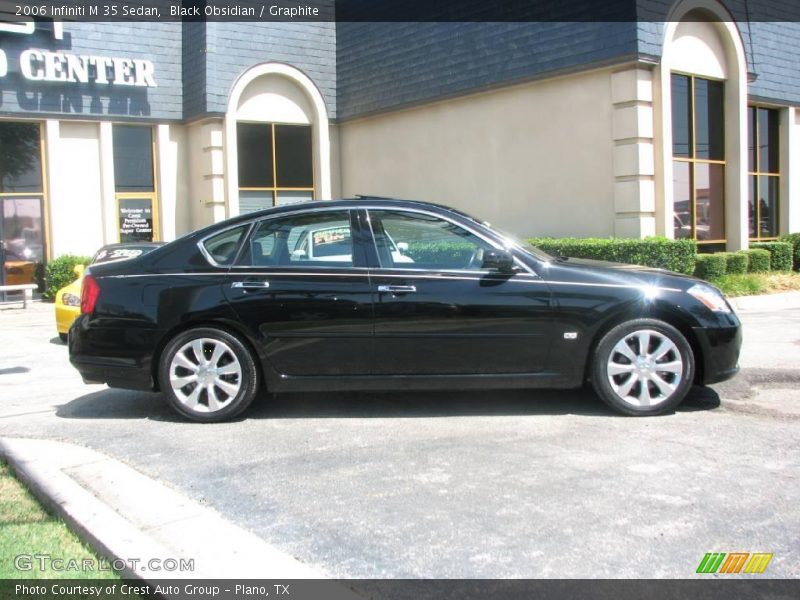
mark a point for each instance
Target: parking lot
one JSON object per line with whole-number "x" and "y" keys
{"x": 471, "y": 484}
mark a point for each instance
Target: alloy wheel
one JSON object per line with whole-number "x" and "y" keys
{"x": 645, "y": 368}
{"x": 205, "y": 375}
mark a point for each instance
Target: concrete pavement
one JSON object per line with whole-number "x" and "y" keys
{"x": 461, "y": 484}
{"x": 125, "y": 515}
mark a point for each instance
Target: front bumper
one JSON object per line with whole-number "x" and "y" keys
{"x": 65, "y": 316}
{"x": 720, "y": 348}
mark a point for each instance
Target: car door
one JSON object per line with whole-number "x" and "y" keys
{"x": 300, "y": 285}
{"x": 438, "y": 311}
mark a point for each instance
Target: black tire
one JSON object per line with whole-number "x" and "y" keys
{"x": 200, "y": 408}
{"x": 64, "y": 337}
{"x": 658, "y": 374}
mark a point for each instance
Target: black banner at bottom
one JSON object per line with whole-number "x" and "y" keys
{"x": 713, "y": 588}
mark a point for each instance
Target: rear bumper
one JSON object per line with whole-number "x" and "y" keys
{"x": 720, "y": 348}
{"x": 118, "y": 357}
{"x": 113, "y": 374}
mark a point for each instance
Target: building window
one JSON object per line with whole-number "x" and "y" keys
{"x": 698, "y": 154}
{"x": 134, "y": 183}
{"x": 275, "y": 165}
{"x": 22, "y": 230}
{"x": 763, "y": 158}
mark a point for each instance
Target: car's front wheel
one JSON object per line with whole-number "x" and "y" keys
{"x": 643, "y": 367}
{"x": 208, "y": 375}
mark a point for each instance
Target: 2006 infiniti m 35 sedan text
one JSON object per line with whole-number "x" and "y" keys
{"x": 387, "y": 294}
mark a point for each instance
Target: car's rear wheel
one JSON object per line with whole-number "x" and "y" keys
{"x": 208, "y": 375}
{"x": 643, "y": 367}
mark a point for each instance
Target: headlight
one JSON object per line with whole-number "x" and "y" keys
{"x": 70, "y": 300}
{"x": 710, "y": 297}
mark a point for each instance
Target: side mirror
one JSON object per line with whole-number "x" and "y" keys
{"x": 79, "y": 269}
{"x": 498, "y": 260}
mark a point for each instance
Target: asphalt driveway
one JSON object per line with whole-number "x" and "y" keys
{"x": 460, "y": 484}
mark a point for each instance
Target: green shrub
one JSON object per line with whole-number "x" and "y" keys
{"x": 736, "y": 263}
{"x": 780, "y": 254}
{"x": 794, "y": 240}
{"x": 711, "y": 266}
{"x": 59, "y": 272}
{"x": 659, "y": 252}
{"x": 758, "y": 260}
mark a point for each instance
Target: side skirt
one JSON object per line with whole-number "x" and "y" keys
{"x": 286, "y": 383}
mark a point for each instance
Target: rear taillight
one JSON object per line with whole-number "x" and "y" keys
{"x": 90, "y": 291}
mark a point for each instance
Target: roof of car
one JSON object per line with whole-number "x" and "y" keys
{"x": 342, "y": 203}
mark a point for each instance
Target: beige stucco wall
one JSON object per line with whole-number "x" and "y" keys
{"x": 76, "y": 204}
{"x": 534, "y": 159}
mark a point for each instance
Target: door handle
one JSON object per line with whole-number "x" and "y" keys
{"x": 250, "y": 285}
{"x": 397, "y": 289}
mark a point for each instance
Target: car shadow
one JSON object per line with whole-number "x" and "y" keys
{"x": 124, "y": 404}
{"x": 108, "y": 403}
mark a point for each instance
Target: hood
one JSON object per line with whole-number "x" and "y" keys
{"x": 606, "y": 271}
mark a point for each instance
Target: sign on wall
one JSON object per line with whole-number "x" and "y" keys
{"x": 135, "y": 219}
{"x": 65, "y": 67}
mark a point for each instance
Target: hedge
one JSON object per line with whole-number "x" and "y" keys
{"x": 794, "y": 240}
{"x": 737, "y": 263}
{"x": 659, "y": 252}
{"x": 439, "y": 253}
{"x": 711, "y": 266}
{"x": 780, "y": 254}
{"x": 59, "y": 272}
{"x": 759, "y": 260}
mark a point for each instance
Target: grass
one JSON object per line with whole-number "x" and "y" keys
{"x": 27, "y": 529}
{"x": 757, "y": 283}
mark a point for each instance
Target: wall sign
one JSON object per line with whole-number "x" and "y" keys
{"x": 135, "y": 219}
{"x": 65, "y": 67}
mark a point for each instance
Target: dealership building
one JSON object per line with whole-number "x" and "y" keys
{"x": 682, "y": 126}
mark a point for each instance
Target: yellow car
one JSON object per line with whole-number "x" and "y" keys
{"x": 68, "y": 298}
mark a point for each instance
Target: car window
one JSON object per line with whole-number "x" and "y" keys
{"x": 322, "y": 239}
{"x": 223, "y": 246}
{"x": 406, "y": 240}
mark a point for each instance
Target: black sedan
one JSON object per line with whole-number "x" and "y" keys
{"x": 375, "y": 294}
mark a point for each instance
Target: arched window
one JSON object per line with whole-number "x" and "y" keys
{"x": 704, "y": 100}
{"x": 277, "y": 142}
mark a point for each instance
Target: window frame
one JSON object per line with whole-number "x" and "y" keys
{"x": 758, "y": 174}
{"x": 276, "y": 189}
{"x": 692, "y": 160}
{"x": 375, "y": 257}
{"x": 360, "y": 259}
{"x": 42, "y": 195}
{"x": 152, "y": 196}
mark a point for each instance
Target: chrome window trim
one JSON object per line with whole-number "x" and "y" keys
{"x": 365, "y": 207}
{"x": 365, "y": 272}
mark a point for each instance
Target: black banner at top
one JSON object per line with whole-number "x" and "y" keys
{"x": 388, "y": 10}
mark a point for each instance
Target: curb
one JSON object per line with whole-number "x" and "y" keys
{"x": 766, "y": 302}
{"x": 124, "y": 515}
